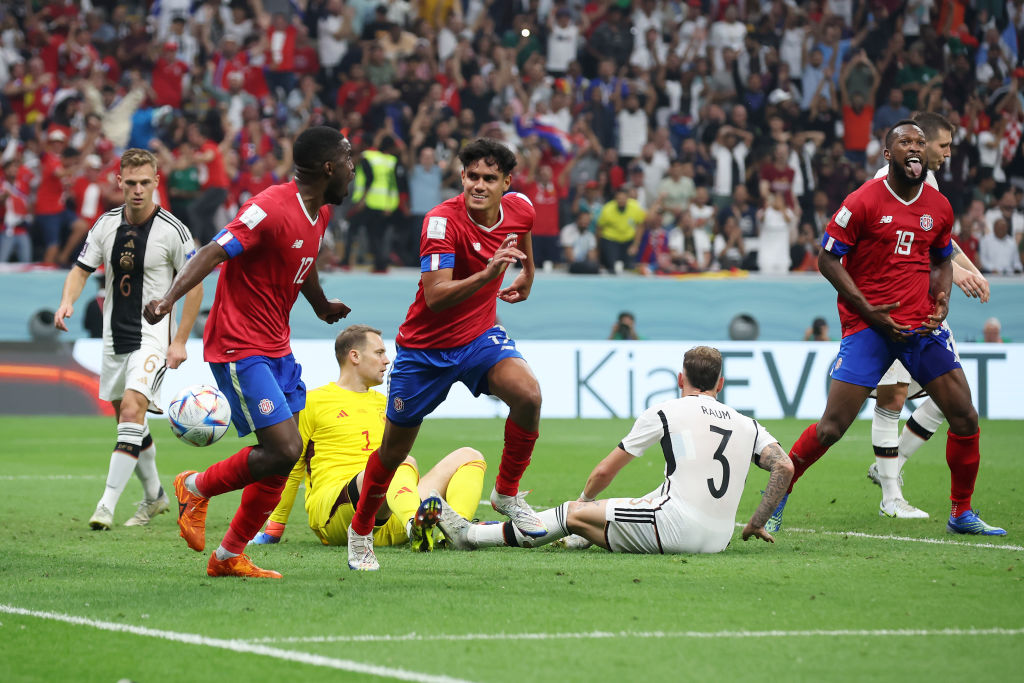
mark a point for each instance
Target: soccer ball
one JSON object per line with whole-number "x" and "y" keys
{"x": 199, "y": 414}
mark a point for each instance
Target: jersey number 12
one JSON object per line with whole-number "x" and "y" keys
{"x": 304, "y": 266}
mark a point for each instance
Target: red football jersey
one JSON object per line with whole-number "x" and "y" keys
{"x": 273, "y": 244}
{"x": 451, "y": 239}
{"x": 888, "y": 245}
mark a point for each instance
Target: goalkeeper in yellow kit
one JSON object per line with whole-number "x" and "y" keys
{"x": 341, "y": 425}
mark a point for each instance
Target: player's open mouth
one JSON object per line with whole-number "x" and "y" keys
{"x": 914, "y": 166}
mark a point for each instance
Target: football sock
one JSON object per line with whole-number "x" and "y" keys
{"x": 465, "y": 488}
{"x": 919, "y": 428}
{"x": 885, "y": 432}
{"x": 490, "y": 535}
{"x": 229, "y": 474}
{"x": 963, "y": 457}
{"x": 403, "y": 496}
{"x": 145, "y": 470}
{"x": 514, "y": 458}
{"x": 291, "y": 489}
{"x": 376, "y": 479}
{"x": 223, "y": 554}
{"x": 258, "y": 501}
{"x": 122, "y": 462}
{"x": 805, "y": 452}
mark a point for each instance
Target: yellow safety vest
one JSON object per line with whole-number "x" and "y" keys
{"x": 382, "y": 194}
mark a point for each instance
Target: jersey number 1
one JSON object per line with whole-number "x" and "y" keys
{"x": 304, "y": 266}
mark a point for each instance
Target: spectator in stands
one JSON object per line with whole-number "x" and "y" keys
{"x": 778, "y": 232}
{"x": 858, "y": 108}
{"x": 215, "y": 182}
{"x": 538, "y": 184}
{"x": 729, "y": 151}
{"x": 624, "y": 327}
{"x": 15, "y": 194}
{"x": 729, "y": 248}
{"x": 892, "y": 111}
{"x": 1008, "y": 210}
{"x": 690, "y": 246}
{"x": 818, "y": 331}
{"x": 579, "y": 245}
{"x": 52, "y": 217}
{"x": 424, "y": 177}
{"x": 998, "y": 251}
{"x": 676, "y": 190}
{"x": 617, "y": 231}
{"x": 992, "y": 331}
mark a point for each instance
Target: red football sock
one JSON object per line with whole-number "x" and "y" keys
{"x": 258, "y": 500}
{"x": 805, "y": 452}
{"x": 514, "y": 458}
{"x": 963, "y": 457}
{"x": 376, "y": 479}
{"x": 230, "y": 474}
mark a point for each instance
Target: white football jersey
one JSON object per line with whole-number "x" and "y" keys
{"x": 707, "y": 446}
{"x": 929, "y": 178}
{"x": 140, "y": 262}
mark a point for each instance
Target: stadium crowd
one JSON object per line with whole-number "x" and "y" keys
{"x": 661, "y": 135}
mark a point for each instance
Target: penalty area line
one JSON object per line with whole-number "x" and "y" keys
{"x": 48, "y": 477}
{"x": 241, "y": 646}
{"x": 599, "y": 635}
{"x": 905, "y": 539}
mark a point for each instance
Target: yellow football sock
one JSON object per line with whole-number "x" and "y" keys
{"x": 403, "y": 495}
{"x": 465, "y": 488}
{"x": 284, "y": 507}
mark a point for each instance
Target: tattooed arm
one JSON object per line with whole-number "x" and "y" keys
{"x": 776, "y": 461}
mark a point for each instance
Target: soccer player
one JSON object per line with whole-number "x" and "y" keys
{"x": 892, "y": 449}
{"x": 140, "y": 246}
{"x": 707, "y": 447}
{"x": 450, "y": 335}
{"x": 343, "y": 423}
{"x": 887, "y": 253}
{"x": 269, "y": 253}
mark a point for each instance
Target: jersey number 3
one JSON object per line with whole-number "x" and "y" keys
{"x": 720, "y": 457}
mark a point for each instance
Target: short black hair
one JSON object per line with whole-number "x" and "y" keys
{"x": 314, "y": 146}
{"x": 491, "y": 152}
{"x": 891, "y": 135}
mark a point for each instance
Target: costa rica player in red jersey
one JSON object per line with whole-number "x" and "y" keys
{"x": 887, "y": 252}
{"x": 449, "y": 335}
{"x": 270, "y": 251}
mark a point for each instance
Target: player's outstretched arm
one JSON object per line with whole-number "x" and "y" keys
{"x": 328, "y": 310}
{"x": 605, "y": 472}
{"x": 441, "y": 291}
{"x": 73, "y": 285}
{"x": 877, "y": 316}
{"x": 775, "y": 460}
{"x": 194, "y": 272}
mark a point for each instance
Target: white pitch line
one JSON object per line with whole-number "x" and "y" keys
{"x": 909, "y": 539}
{"x": 238, "y": 646}
{"x": 48, "y": 477}
{"x": 599, "y": 635}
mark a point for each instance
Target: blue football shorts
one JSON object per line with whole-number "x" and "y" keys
{"x": 865, "y": 356}
{"x": 420, "y": 378}
{"x": 262, "y": 391}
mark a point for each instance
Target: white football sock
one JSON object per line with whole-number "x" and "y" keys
{"x": 122, "y": 462}
{"x": 145, "y": 470}
{"x": 885, "y": 430}
{"x": 489, "y": 535}
{"x": 190, "y": 484}
{"x": 919, "y": 428}
{"x": 223, "y": 554}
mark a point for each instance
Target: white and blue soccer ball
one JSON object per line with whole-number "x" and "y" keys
{"x": 199, "y": 414}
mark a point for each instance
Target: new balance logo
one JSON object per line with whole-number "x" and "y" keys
{"x": 885, "y": 219}
{"x": 298, "y": 243}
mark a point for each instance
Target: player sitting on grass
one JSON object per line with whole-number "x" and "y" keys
{"x": 707, "y": 447}
{"x": 343, "y": 423}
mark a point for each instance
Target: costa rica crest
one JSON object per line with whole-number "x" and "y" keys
{"x": 926, "y": 222}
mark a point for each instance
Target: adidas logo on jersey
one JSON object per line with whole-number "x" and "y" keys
{"x": 342, "y": 414}
{"x": 298, "y": 243}
{"x": 885, "y": 219}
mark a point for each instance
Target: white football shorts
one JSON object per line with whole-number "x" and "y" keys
{"x": 142, "y": 371}
{"x": 659, "y": 524}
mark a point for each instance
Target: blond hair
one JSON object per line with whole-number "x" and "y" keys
{"x": 135, "y": 157}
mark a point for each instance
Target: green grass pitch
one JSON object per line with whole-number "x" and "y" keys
{"x": 842, "y": 595}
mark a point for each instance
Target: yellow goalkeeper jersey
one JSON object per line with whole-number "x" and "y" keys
{"x": 339, "y": 429}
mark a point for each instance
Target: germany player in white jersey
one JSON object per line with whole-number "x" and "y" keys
{"x": 141, "y": 246}
{"x": 707, "y": 447}
{"x": 892, "y": 449}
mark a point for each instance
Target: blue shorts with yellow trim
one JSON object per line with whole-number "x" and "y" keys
{"x": 420, "y": 378}
{"x": 865, "y": 356}
{"x": 262, "y": 391}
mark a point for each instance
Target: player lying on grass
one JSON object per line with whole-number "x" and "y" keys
{"x": 343, "y": 423}
{"x": 707, "y": 448}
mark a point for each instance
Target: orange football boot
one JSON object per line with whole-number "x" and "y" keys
{"x": 191, "y": 513}
{"x": 239, "y": 565}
